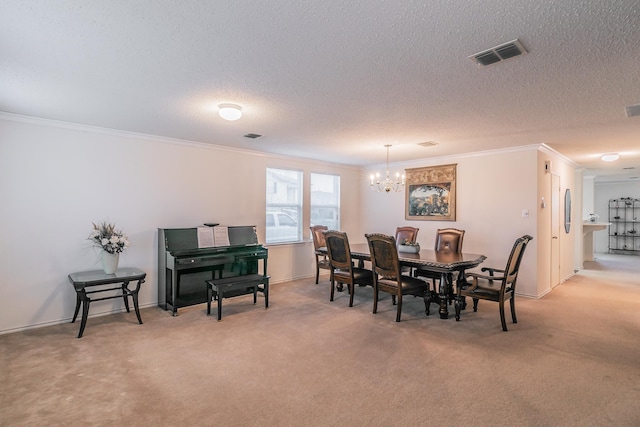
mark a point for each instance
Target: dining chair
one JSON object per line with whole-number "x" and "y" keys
{"x": 493, "y": 287}
{"x": 342, "y": 269}
{"x": 318, "y": 242}
{"x": 447, "y": 239}
{"x": 406, "y": 235}
{"x": 387, "y": 275}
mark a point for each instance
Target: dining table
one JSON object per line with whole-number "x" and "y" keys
{"x": 443, "y": 262}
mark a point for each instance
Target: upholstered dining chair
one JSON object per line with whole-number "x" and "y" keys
{"x": 318, "y": 242}
{"x": 342, "y": 269}
{"x": 406, "y": 235}
{"x": 387, "y": 275}
{"x": 498, "y": 285}
{"x": 447, "y": 239}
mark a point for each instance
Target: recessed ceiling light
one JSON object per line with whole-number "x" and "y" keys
{"x": 230, "y": 112}
{"x": 611, "y": 157}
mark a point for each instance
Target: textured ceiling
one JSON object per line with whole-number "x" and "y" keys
{"x": 335, "y": 79}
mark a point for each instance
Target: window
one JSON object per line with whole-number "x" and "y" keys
{"x": 325, "y": 200}
{"x": 284, "y": 206}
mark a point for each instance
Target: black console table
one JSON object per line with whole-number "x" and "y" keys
{"x": 86, "y": 279}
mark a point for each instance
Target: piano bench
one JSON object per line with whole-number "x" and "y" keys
{"x": 236, "y": 286}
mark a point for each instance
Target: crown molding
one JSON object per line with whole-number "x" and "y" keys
{"x": 40, "y": 121}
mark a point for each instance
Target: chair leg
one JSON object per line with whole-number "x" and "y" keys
{"x": 475, "y": 304}
{"x": 428, "y": 297}
{"x": 399, "y": 313}
{"x": 375, "y": 299}
{"x": 458, "y": 305}
{"x": 352, "y": 290}
{"x": 513, "y": 308}
{"x": 317, "y": 273}
{"x": 333, "y": 284}
{"x": 502, "y": 319}
{"x": 427, "y": 302}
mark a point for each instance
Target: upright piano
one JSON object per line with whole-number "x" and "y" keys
{"x": 183, "y": 266}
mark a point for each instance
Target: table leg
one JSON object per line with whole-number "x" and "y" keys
{"x": 85, "y": 314}
{"x": 134, "y": 296}
{"x": 444, "y": 295}
{"x": 75, "y": 314}
{"x": 125, "y": 289}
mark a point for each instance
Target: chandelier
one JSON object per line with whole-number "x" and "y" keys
{"x": 396, "y": 184}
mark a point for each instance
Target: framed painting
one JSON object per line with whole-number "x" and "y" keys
{"x": 431, "y": 193}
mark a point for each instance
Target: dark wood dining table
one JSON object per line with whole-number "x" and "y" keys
{"x": 444, "y": 262}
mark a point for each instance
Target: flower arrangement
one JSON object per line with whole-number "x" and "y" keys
{"x": 409, "y": 247}
{"x": 106, "y": 237}
{"x": 406, "y": 242}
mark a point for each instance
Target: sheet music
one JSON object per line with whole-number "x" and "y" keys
{"x": 221, "y": 236}
{"x": 206, "y": 238}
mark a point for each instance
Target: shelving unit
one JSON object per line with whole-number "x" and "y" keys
{"x": 624, "y": 231}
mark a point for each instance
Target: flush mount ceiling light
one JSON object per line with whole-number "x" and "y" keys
{"x": 230, "y": 112}
{"x": 611, "y": 157}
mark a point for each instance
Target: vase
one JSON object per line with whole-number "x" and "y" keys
{"x": 110, "y": 262}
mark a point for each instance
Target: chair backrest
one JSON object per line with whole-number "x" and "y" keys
{"x": 384, "y": 256}
{"x": 318, "y": 237}
{"x": 338, "y": 249}
{"x": 406, "y": 235}
{"x": 513, "y": 263}
{"x": 449, "y": 239}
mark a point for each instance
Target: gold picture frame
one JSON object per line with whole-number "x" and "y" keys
{"x": 430, "y": 193}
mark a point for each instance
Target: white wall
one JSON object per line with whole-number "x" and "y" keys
{"x": 588, "y": 202}
{"x": 56, "y": 178}
{"x": 603, "y": 193}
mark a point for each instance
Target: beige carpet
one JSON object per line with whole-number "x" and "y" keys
{"x": 572, "y": 360}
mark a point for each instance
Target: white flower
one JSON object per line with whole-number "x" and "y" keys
{"x": 106, "y": 237}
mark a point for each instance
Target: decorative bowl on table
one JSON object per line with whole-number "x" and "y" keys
{"x": 409, "y": 248}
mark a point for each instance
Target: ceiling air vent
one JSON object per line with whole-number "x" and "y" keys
{"x": 633, "y": 110}
{"x": 499, "y": 53}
